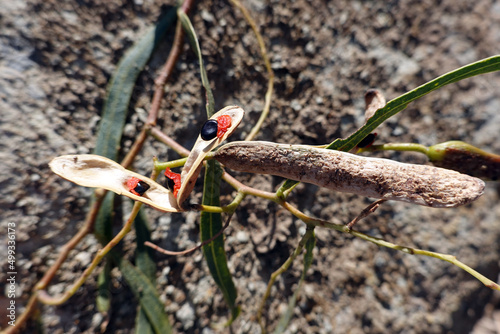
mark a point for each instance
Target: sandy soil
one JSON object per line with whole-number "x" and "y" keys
{"x": 56, "y": 58}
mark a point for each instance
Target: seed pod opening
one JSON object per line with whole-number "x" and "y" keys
{"x": 201, "y": 148}
{"x": 94, "y": 171}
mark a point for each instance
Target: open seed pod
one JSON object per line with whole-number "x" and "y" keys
{"x": 94, "y": 171}
{"x": 210, "y": 137}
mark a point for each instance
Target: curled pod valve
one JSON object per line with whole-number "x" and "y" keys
{"x": 215, "y": 130}
{"x": 91, "y": 170}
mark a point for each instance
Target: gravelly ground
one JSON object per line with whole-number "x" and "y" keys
{"x": 57, "y": 56}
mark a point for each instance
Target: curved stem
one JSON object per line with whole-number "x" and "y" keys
{"x": 160, "y": 136}
{"x": 380, "y": 242}
{"x": 167, "y": 252}
{"x": 169, "y": 164}
{"x": 45, "y": 298}
{"x": 63, "y": 255}
{"x": 284, "y": 267}
{"x": 410, "y": 147}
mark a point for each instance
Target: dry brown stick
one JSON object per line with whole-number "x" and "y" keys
{"x": 365, "y": 213}
{"x": 44, "y": 297}
{"x": 87, "y": 228}
{"x": 167, "y": 252}
{"x": 165, "y": 74}
{"x": 167, "y": 140}
{"x": 30, "y": 307}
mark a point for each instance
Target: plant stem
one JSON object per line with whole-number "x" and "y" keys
{"x": 410, "y": 147}
{"x": 44, "y": 297}
{"x": 284, "y": 267}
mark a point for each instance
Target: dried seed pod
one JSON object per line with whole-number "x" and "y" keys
{"x": 230, "y": 119}
{"x": 345, "y": 172}
{"x": 90, "y": 170}
{"x": 374, "y": 100}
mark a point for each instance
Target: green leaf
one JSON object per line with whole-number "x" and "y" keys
{"x": 103, "y": 288}
{"x": 214, "y": 252}
{"x": 483, "y": 66}
{"x": 211, "y": 223}
{"x": 145, "y": 292}
{"x": 103, "y": 232}
{"x": 308, "y": 258}
{"x": 110, "y": 131}
{"x": 103, "y": 228}
{"x": 144, "y": 259}
{"x": 145, "y": 263}
{"x": 400, "y": 103}
{"x": 193, "y": 40}
{"x": 121, "y": 86}
{"x": 142, "y": 325}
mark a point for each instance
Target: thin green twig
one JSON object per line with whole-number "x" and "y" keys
{"x": 284, "y": 267}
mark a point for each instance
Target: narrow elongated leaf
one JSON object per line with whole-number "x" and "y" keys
{"x": 103, "y": 300}
{"x": 103, "y": 229}
{"x": 113, "y": 119}
{"x": 400, "y": 103}
{"x": 142, "y": 325}
{"x": 116, "y": 106}
{"x": 145, "y": 292}
{"x": 211, "y": 223}
{"x": 214, "y": 252}
{"x": 145, "y": 263}
{"x": 122, "y": 84}
{"x": 144, "y": 259}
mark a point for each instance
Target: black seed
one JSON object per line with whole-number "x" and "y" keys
{"x": 170, "y": 184}
{"x": 209, "y": 130}
{"x": 368, "y": 140}
{"x": 141, "y": 188}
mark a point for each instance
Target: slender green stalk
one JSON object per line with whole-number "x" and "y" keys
{"x": 409, "y": 147}
{"x": 169, "y": 164}
{"x": 380, "y": 242}
{"x": 284, "y": 267}
{"x": 44, "y": 297}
